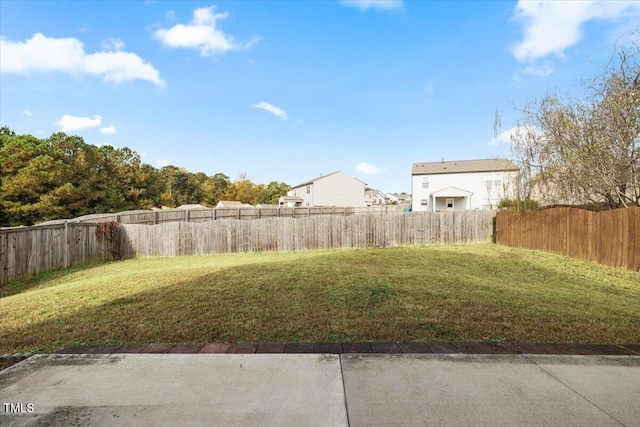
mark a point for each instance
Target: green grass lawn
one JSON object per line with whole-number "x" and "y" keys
{"x": 459, "y": 292}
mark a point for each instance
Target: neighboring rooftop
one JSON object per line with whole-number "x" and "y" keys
{"x": 311, "y": 181}
{"x": 232, "y": 204}
{"x": 460, "y": 166}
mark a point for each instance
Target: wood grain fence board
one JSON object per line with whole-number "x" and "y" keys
{"x": 32, "y": 250}
{"x": 634, "y": 247}
{"x": 608, "y": 237}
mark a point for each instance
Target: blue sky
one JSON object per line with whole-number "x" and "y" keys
{"x": 289, "y": 90}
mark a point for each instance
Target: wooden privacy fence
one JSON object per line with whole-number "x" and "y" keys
{"x": 27, "y": 251}
{"x": 608, "y": 237}
{"x": 318, "y": 232}
{"x": 211, "y": 214}
{"x": 32, "y": 250}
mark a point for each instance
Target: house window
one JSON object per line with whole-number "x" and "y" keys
{"x": 424, "y": 202}
{"x": 488, "y": 180}
{"x": 307, "y": 203}
{"x": 308, "y": 189}
{"x": 493, "y": 180}
{"x": 425, "y": 182}
{"x": 449, "y": 203}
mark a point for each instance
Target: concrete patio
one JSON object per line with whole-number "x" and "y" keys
{"x": 355, "y": 389}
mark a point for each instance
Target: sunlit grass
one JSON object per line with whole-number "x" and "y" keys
{"x": 460, "y": 292}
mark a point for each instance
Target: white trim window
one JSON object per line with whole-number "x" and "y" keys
{"x": 493, "y": 180}
{"x": 425, "y": 182}
{"x": 424, "y": 202}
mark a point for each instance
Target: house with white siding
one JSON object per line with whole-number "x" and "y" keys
{"x": 462, "y": 184}
{"x": 334, "y": 189}
{"x": 374, "y": 198}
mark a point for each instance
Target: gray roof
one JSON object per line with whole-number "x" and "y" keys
{"x": 192, "y": 206}
{"x": 461, "y": 166}
{"x": 311, "y": 181}
{"x": 372, "y": 193}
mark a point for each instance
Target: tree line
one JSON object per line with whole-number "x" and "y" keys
{"x": 64, "y": 177}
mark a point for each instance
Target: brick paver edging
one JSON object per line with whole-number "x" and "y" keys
{"x": 364, "y": 347}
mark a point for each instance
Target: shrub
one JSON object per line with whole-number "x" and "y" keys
{"x": 527, "y": 205}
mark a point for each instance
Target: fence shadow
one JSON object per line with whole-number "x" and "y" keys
{"x": 324, "y": 300}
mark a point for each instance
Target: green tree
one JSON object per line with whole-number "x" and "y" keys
{"x": 245, "y": 190}
{"x": 214, "y": 189}
{"x": 180, "y": 187}
{"x": 272, "y": 192}
{"x": 33, "y": 180}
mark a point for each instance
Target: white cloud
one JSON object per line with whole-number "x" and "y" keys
{"x": 272, "y": 109}
{"x": 368, "y": 169}
{"x": 503, "y": 137}
{"x": 108, "y": 130}
{"x": 375, "y": 4}
{"x": 553, "y": 26}
{"x": 202, "y": 34}
{"x": 506, "y": 136}
{"x": 67, "y": 55}
{"x": 26, "y": 113}
{"x": 71, "y": 123}
{"x": 112, "y": 44}
{"x": 540, "y": 71}
{"x": 162, "y": 163}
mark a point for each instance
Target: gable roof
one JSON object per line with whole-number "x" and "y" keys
{"x": 192, "y": 206}
{"x": 452, "y": 192}
{"x": 311, "y": 181}
{"x": 462, "y": 166}
{"x": 372, "y": 193}
{"x": 232, "y": 204}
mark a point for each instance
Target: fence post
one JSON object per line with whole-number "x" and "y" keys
{"x": 155, "y": 217}
{"x": 117, "y": 217}
{"x": 188, "y": 215}
{"x": 66, "y": 244}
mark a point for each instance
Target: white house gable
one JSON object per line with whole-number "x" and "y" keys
{"x": 334, "y": 189}
{"x": 469, "y": 184}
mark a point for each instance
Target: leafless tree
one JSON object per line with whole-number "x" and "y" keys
{"x": 586, "y": 149}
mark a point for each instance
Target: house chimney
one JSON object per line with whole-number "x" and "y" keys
{"x": 443, "y": 160}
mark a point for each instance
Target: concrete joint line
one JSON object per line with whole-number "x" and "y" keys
{"x": 344, "y": 391}
{"x": 576, "y": 392}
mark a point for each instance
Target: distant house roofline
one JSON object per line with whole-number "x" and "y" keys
{"x": 464, "y": 166}
{"x": 311, "y": 181}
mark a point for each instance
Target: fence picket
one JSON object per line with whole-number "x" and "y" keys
{"x": 608, "y": 237}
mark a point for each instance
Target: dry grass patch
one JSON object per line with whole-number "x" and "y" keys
{"x": 465, "y": 292}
